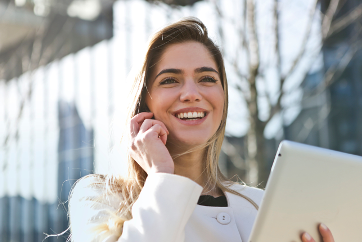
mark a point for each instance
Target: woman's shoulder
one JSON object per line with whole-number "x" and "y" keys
{"x": 92, "y": 208}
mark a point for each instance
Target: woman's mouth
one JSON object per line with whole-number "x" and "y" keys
{"x": 191, "y": 118}
{"x": 191, "y": 115}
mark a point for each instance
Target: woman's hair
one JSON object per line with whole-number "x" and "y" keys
{"x": 189, "y": 29}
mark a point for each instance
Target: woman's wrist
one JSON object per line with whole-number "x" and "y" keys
{"x": 169, "y": 170}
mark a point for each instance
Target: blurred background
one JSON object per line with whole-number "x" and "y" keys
{"x": 294, "y": 70}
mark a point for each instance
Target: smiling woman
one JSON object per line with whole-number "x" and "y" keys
{"x": 186, "y": 95}
{"x": 174, "y": 190}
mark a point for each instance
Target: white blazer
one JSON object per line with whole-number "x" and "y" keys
{"x": 166, "y": 211}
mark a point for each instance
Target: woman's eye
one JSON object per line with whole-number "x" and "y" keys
{"x": 208, "y": 79}
{"x": 168, "y": 81}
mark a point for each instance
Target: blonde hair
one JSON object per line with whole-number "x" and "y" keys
{"x": 190, "y": 29}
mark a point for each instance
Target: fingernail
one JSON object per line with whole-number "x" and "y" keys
{"x": 307, "y": 236}
{"x": 324, "y": 227}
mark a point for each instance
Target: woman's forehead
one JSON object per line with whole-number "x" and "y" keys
{"x": 187, "y": 56}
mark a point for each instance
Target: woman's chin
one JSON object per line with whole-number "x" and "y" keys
{"x": 187, "y": 142}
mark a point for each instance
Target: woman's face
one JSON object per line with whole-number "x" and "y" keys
{"x": 186, "y": 94}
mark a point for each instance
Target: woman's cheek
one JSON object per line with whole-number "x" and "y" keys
{"x": 219, "y": 102}
{"x": 160, "y": 110}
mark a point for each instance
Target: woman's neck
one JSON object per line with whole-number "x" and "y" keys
{"x": 192, "y": 165}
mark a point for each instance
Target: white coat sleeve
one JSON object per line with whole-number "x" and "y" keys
{"x": 161, "y": 212}
{"x": 162, "y": 209}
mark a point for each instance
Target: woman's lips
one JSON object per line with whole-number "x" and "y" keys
{"x": 189, "y": 109}
{"x": 191, "y": 122}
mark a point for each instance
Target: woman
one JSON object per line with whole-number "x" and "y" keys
{"x": 177, "y": 127}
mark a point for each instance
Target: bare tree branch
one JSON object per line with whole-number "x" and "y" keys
{"x": 254, "y": 61}
{"x": 304, "y": 42}
{"x": 266, "y": 93}
{"x": 345, "y": 21}
{"x": 273, "y": 109}
{"x": 242, "y": 34}
{"x": 328, "y": 17}
{"x": 276, "y": 36}
{"x": 335, "y": 72}
{"x": 277, "y": 107}
{"x": 253, "y": 38}
{"x": 255, "y": 140}
{"x": 309, "y": 124}
{"x": 239, "y": 86}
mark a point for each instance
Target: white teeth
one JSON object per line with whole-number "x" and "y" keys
{"x": 191, "y": 115}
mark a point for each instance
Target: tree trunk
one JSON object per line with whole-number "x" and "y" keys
{"x": 256, "y": 155}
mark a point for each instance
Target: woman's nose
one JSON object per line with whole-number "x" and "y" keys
{"x": 190, "y": 92}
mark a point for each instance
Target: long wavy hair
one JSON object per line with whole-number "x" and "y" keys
{"x": 129, "y": 187}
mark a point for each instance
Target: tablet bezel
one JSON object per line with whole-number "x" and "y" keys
{"x": 309, "y": 185}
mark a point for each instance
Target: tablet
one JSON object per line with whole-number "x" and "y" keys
{"x": 307, "y": 186}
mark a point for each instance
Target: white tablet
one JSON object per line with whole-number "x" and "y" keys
{"x": 308, "y": 186}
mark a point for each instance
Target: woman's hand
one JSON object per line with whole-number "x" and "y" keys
{"x": 324, "y": 231}
{"x": 147, "y": 147}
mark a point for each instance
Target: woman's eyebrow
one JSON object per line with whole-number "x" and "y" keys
{"x": 171, "y": 70}
{"x": 179, "y": 71}
{"x": 204, "y": 69}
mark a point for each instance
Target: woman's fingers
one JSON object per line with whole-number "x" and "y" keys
{"x": 326, "y": 233}
{"x": 160, "y": 131}
{"x": 141, "y": 123}
{"x": 148, "y": 123}
{"x": 137, "y": 121}
{"x": 307, "y": 238}
{"x": 145, "y": 147}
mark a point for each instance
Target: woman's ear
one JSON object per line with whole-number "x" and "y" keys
{"x": 144, "y": 108}
{"x": 147, "y": 109}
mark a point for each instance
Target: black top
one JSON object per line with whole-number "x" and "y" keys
{"x": 207, "y": 200}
